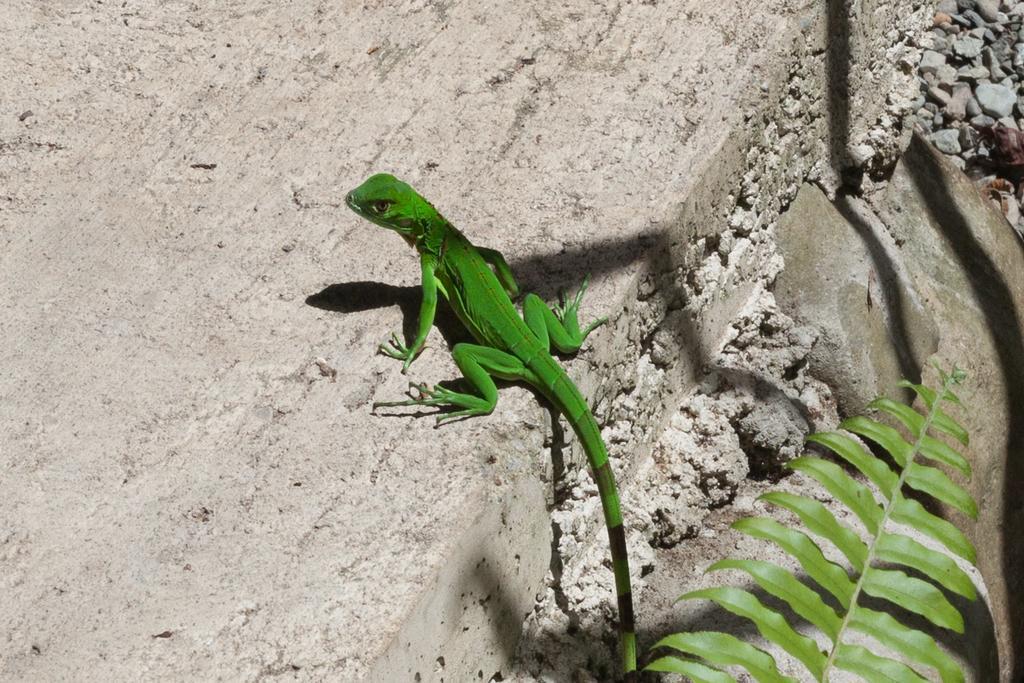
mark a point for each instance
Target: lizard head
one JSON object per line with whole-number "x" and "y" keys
{"x": 387, "y": 201}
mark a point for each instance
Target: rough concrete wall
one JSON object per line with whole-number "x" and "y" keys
{"x": 192, "y": 471}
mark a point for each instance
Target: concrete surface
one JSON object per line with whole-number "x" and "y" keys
{"x": 967, "y": 263}
{"x": 844, "y": 276}
{"x": 193, "y": 486}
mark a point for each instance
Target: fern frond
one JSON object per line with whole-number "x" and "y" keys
{"x": 874, "y": 506}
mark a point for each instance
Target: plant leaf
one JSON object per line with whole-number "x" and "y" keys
{"x": 913, "y": 594}
{"x": 871, "y": 667}
{"x": 882, "y": 434}
{"x": 777, "y": 581}
{"x": 928, "y": 395}
{"x": 908, "y": 511}
{"x": 913, "y": 420}
{"x": 910, "y": 643}
{"x": 941, "y": 569}
{"x": 821, "y": 522}
{"x": 939, "y": 486}
{"x": 866, "y": 463}
{"x": 827, "y": 574}
{"x": 854, "y": 495}
{"x": 698, "y": 673}
{"x": 723, "y": 649}
{"x": 772, "y": 625}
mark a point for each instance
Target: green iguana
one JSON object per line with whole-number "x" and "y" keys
{"x": 508, "y": 347}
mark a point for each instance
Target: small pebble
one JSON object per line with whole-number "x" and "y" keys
{"x": 972, "y": 74}
{"x": 940, "y": 96}
{"x": 974, "y": 18}
{"x": 946, "y": 141}
{"x": 996, "y": 100}
{"x": 968, "y": 47}
{"x": 968, "y": 138}
{"x": 983, "y": 121}
{"x": 946, "y": 74}
{"x": 931, "y": 61}
{"x": 988, "y": 9}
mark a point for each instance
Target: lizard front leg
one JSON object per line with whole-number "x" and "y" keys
{"x": 479, "y": 365}
{"x": 428, "y": 307}
{"x": 501, "y": 270}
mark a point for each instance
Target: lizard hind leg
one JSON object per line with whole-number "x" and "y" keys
{"x": 479, "y": 366}
{"x": 559, "y": 326}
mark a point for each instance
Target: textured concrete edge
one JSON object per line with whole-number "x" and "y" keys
{"x": 466, "y": 626}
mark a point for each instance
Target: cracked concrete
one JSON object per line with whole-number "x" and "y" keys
{"x": 191, "y": 468}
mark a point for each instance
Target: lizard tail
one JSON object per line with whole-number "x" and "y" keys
{"x": 589, "y": 434}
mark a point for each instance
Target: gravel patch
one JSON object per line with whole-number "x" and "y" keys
{"x": 970, "y": 101}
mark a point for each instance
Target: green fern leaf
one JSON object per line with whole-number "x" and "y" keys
{"x": 910, "y": 643}
{"x": 821, "y": 522}
{"x": 697, "y": 672}
{"x": 843, "y": 488}
{"x": 940, "y": 568}
{"x": 871, "y": 667}
{"x": 723, "y": 649}
{"x": 911, "y": 513}
{"x": 913, "y": 594}
{"x": 920, "y": 594}
{"x": 868, "y": 465}
{"x": 772, "y": 625}
{"x": 938, "y": 485}
{"x": 826, "y": 573}
{"x": 779, "y": 582}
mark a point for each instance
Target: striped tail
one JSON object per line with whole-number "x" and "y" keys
{"x": 564, "y": 394}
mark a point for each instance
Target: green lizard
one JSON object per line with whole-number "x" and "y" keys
{"x": 508, "y": 347}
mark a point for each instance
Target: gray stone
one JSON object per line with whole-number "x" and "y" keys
{"x": 964, "y": 5}
{"x": 968, "y": 47}
{"x": 962, "y": 21}
{"x": 968, "y": 138}
{"x": 940, "y": 96}
{"x": 946, "y": 140}
{"x": 931, "y": 61}
{"x": 946, "y": 6}
{"x": 972, "y": 108}
{"x": 957, "y": 106}
{"x": 946, "y": 74}
{"x": 988, "y": 9}
{"x": 995, "y": 100}
{"x": 1008, "y": 122}
{"x": 983, "y": 121}
{"x": 974, "y": 18}
{"x": 973, "y": 74}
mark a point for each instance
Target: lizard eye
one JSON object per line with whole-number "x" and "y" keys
{"x": 381, "y": 205}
